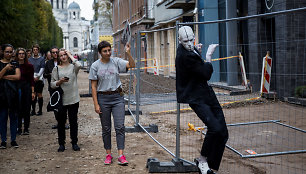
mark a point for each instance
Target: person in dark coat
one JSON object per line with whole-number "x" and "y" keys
{"x": 9, "y": 75}
{"x": 192, "y": 74}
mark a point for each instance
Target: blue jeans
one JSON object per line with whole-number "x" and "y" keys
{"x": 4, "y": 113}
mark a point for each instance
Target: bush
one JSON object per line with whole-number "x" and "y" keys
{"x": 300, "y": 91}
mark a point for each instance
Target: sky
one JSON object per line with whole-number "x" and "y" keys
{"x": 86, "y": 8}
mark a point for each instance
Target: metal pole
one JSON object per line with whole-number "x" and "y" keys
{"x": 177, "y": 149}
{"x": 231, "y": 39}
{"x": 248, "y": 17}
{"x": 138, "y": 77}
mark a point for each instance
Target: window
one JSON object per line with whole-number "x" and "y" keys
{"x": 75, "y": 42}
{"x": 57, "y": 4}
{"x": 73, "y": 15}
{"x": 52, "y": 3}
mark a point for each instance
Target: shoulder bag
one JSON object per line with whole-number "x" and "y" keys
{"x": 56, "y": 99}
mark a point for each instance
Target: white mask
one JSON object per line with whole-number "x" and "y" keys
{"x": 186, "y": 37}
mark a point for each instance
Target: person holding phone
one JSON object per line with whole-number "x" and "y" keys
{"x": 65, "y": 75}
{"x": 9, "y": 75}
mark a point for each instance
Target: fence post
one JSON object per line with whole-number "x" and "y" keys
{"x": 178, "y": 112}
{"x": 138, "y": 77}
{"x": 137, "y": 127}
{"x": 178, "y": 122}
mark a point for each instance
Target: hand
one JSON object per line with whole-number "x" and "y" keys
{"x": 33, "y": 96}
{"x": 68, "y": 53}
{"x": 127, "y": 48}
{"x": 63, "y": 80}
{"x": 36, "y": 79}
{"x": 199, "y": 47}
{"x": 9, "y": 67}
{"x": 211, "y": 49}
{"x": 98, "y": 109}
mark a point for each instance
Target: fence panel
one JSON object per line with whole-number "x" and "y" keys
{"x": 259, "y": 80}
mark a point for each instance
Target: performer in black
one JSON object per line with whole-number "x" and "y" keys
{"x": 192, "y": 74}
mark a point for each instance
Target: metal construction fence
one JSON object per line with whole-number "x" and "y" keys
{"x": 259, "y": 79}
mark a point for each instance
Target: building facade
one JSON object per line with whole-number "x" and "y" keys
{"x": 76, "y": 30}
{"x": 282, "y": 36}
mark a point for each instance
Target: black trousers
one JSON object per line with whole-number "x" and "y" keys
{"x": 73, "y": 120}
{"x": 25, "y": 100}
{"x": 217, "y": 135}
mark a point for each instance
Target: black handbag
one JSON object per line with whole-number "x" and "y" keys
{"x": 56, "y": 99}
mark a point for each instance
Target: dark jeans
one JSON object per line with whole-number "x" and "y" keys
{"x": 24, "y": 105}
{"x": 217, "y": 134}
{"x": 73, "y": 120}
{"x": 4, "y": 113}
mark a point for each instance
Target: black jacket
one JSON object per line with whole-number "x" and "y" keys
{"x": 192, "y": 74}
{"x": 8, "y": 90}
{"x": 48, "y": 71}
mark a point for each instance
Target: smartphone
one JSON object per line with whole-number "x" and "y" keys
{"x": 66, "y": 78}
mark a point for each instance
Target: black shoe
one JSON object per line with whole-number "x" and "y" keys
{"x": 3, "y": 145}
{"x": 54, "y": 126}
{"x": 200, "y": 171}
{"x": 26, "y": 132}
{"x": 39, "y": 113}
{"x": 61, "y": 148}
{"x": 14, "y": 144}
{"x": 210, "y": 172}
{"x": 67, "y": 126}
{"x": 33, "y": 113}
{"x": 75, "y": 147}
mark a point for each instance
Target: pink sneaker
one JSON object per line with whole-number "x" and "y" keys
{"x": 122, "y": 160}
{"x": 108, "y": 159}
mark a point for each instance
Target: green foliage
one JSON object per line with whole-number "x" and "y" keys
{"x": 26, "y": 22}
{"x": 300, "y": 91}
{"x": 104, "y": 9}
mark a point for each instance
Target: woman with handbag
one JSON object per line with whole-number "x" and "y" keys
{"x": 26, "y": 87}
{"x": 64, "y": 75}
{"x": 9, "y": 74}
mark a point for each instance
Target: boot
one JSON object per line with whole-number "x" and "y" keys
{"x": 40, "y": 105}
{"x": 33, "y": 106}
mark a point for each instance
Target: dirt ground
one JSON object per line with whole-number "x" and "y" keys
{"x": 37, "y": 152}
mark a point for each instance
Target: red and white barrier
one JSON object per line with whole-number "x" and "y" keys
{"x": 156, "y": 67}
{"x": 266, "y": 74}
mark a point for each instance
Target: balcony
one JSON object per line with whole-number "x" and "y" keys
{"x": 180, "y": 4}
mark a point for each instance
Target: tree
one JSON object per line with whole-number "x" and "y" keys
{"x": 26, "y": 22}
{"x": 104, "y": 9}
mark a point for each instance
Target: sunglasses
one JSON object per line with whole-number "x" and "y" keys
{"x": 8, "y": 52}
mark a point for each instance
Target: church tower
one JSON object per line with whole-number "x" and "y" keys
{"x": 75, "y": 28}
{"x": 60, "y": 12}
{"x": 75, "y": 24}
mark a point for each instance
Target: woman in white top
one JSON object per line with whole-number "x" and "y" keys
{"x": 65, "y": 75}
